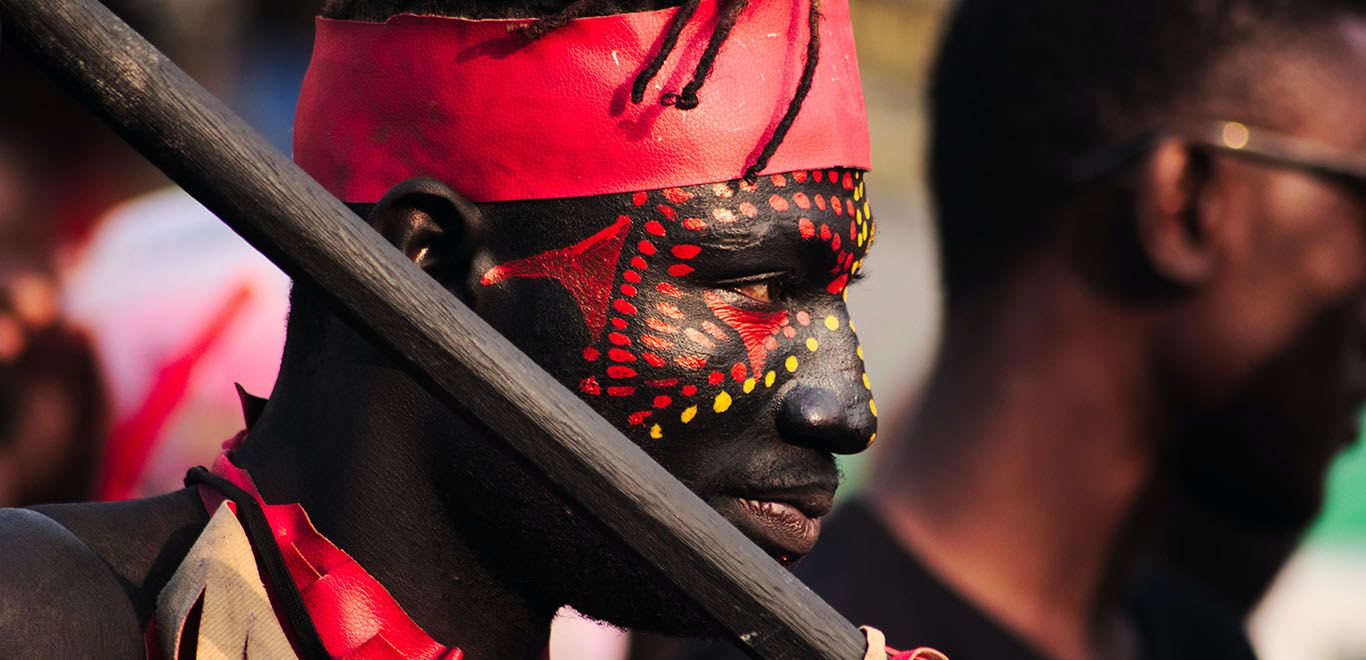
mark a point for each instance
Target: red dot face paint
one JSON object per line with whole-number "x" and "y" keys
{"x": 687, "y": 310}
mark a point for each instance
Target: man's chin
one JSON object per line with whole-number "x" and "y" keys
{"x": 640, "y": 598}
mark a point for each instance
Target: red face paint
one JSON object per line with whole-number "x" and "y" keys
{"x": 584, "y": 269}
{"x": 614, "y": 259}
{"x": 685, "y": 343}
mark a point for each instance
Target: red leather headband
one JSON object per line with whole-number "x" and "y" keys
{"x": 498, "y": 117}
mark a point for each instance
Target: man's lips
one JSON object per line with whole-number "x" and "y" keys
{"x": 785, "y": 522}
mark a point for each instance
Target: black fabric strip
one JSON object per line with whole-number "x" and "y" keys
{"x": 268, "y": 556}
{"x": 813, "y": 56}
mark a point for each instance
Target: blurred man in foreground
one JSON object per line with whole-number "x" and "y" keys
{"x": 684, "y": 273}
{"x": 1153, "y": 228}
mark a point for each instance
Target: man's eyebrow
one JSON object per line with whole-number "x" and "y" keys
{"x": 745, "y": 234}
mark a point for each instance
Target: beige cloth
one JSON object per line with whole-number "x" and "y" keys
{"x": 877, "y": 648}
{"x": 237, "y": 621}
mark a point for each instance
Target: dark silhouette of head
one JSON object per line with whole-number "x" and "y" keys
{"x": 1087, "y": 134}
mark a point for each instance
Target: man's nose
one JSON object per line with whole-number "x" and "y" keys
{"x": 840, "y": 421}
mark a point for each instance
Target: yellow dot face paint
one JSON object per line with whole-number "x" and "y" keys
{"x": 665, "y": 346}
{"x": 872, "y": 407}
{"x": 867, "y": 385}
{"x": 860, "y": 352}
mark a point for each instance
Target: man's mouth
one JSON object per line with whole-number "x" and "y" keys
{"x": 784, "y": 522}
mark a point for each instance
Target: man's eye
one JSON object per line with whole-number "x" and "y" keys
{"x": 765, "y": 291}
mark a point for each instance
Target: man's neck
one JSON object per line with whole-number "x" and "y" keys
{"x": 1025, "y": 469}
{"x": 362, "y": 467}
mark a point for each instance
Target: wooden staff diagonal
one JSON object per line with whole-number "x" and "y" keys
{"x": 313, "y": 237}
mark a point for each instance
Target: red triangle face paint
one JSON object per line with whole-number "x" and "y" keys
{"x": 585, "y": 269}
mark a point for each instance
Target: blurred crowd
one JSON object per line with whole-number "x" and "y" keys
{"x": 125, "y": 306}
{"x": 127, "y": 311}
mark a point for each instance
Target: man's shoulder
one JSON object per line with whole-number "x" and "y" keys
{"x": 1180, "y": 618}
{"x": 135, "y": 537}
{"x": 57, "y": 597}
{"x": 866, "y": 573}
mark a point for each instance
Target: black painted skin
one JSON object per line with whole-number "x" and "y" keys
{"x": 477, "y": 550}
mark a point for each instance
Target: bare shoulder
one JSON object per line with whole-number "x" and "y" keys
{"x": 141, "y": 541}
{"x": 58, "y": 599}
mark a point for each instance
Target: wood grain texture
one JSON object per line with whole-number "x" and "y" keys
{"x": 311, "y": 235}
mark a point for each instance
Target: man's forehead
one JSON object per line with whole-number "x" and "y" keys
{"x": 1321, "y": 82}
{"x": 1354, "y": 37}
{"x": 736, "y": 210}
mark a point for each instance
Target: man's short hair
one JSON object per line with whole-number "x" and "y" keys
{"x": 1023, "y": 88}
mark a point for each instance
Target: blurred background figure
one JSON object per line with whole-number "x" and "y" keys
{"x": 1155, "y": 340}
{"x": 177, "y": 308}
{"x": 52, "y": 401}
{"x": 1156, "y": 321}
{"x": 180, "y": 308}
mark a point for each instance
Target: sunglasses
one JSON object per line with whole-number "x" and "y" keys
{"x": 1278, "y": 149}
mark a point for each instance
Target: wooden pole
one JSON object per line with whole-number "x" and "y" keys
{"x": 313, "y": 237}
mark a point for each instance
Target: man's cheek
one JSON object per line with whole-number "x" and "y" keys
{"x": 655, "y": 353}
{"x": 676, "y": 356}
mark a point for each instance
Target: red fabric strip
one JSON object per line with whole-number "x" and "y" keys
{"x": 355, "y": 615}
{"x": 498, "y": 118}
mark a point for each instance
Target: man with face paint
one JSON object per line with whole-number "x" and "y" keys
{"x": 1152, "y": 219}
{"x": 662, "y": 206}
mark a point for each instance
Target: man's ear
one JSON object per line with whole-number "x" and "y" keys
{"x": 1178, "y": 214}
{"x": 432, "y": 225}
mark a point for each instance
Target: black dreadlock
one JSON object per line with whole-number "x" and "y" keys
{"x": 576, "y": 9}
{"x": 813, "y": 53}
{"x": 687, "y": 99}
{"x": 647, "y": 74}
